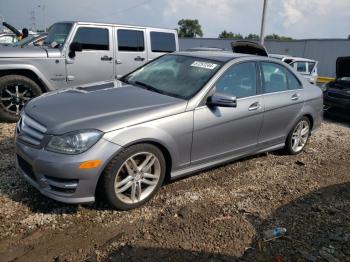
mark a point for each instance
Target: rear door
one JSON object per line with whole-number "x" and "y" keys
{"x": 130, "y": 50}
{"x": 283, "y": 99}
{"x": 95, "y": 62}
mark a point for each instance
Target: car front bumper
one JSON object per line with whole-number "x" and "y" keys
{"x": 58, "y": 176}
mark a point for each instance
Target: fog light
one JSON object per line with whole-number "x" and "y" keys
{"x": 90, "y": 164}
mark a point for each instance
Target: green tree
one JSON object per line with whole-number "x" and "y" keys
{"x": 277, "y": 37}
{"x": 252, "y": 37}
{"x": 225, "y": 34}
{"x": 189, "y": 28}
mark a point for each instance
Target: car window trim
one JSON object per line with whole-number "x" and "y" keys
{"x": 286, "y": 69}
{"x": 137, "y": 39}
{"x": 233, "y": 63}
{"x": 299, "y": 82}
{"x": 94, "y": 27}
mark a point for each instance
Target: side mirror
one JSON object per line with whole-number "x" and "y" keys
{"x": 74, "y": 47}
{"x": 221, "y": 100}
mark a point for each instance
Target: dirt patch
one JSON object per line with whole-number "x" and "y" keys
{"x": 217, "y": 215}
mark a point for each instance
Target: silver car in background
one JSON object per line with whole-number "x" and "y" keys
{"x": 304, "y": 66}
{"x": 178, "y": 114}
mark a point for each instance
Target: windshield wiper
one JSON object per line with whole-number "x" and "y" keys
{"x": 150, "y": 88}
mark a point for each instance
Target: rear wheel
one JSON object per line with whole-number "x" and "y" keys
{"x": 15, "y": 92}
{"x": 298, "y": 136}
{"x": 134, "y": 176}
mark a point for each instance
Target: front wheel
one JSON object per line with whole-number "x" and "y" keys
{"x": 15, "y": 91}
{"x": 133, "y": 176}
{"x": 298, "y": 136}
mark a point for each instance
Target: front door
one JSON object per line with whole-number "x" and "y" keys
{"x": 95, "y": 62}
{"x": 224, "y": 131}
{"x": 131, "y": 50}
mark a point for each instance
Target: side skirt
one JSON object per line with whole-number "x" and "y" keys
{"x": 194, "y": 169}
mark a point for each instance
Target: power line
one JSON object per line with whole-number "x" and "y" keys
{"x": 134, "y": 6}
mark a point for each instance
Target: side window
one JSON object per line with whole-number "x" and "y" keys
{"x": 239, "y": 80}
{"x": 293, "y": 82}
{"x": 301, "y": 67}
{"x": 130, "y": 40}
{"x": 275, "y": 79}
{"x": 163, "y": 42}
{"x": 92, "y": 38}
{"x": 311, "y": 66}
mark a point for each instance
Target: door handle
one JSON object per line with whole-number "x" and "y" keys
{"x": 139, "y": 58}
{"x": 106, "y": 58}
{"x": 118, "y": 61}
{"x": 254, "y": 106}
{"x": 295, "y": 97}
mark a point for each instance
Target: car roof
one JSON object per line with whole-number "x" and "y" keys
{"x": 113, "y": 24}
{"x": 221, "y": 56}
{"x": 291, "y": 57}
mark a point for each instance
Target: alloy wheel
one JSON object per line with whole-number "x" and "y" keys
{"x": 14, "y": 96}
{"x": 300, "y": 135}
{"x": 137, "y": 178}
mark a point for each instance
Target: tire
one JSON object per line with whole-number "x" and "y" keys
{"x": 116, "y": 173}
{"x": 12, "y": 99}
{"x": 291, "y": 147}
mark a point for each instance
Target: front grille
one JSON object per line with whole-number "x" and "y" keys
{"x": 30, "y": 131}
{"x": 337, "y": 95}
{"x": 26, "y": 167}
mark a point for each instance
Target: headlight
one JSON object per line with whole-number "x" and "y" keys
{"x": 75, "y": 142}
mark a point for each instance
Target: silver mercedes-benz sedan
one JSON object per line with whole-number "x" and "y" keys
{"x": 176, "y": 115}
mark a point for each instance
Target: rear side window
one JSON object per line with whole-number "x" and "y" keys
{"x": 275, "y": 79}
{"x": 163, "y": 42}
{"x": 130, "y": 40}
{"x": 301, "y": 67}
{"x": 239, "y": 80}
{"x": 293, "y": 82}
{"x": 92, "y": 38}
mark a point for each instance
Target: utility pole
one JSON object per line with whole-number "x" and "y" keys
{"x": 262, "y": 29}
{"x": 2, "y": 20}
{"x": 43, "y": 7}
{"x": 33, "y": 19}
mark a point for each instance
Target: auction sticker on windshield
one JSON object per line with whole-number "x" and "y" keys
{"x": 206, "y": 65}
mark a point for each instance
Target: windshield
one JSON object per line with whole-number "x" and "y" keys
{"x": 24, "y": 41}
{"x": 57, "y": 34}
{"x": 174, "y": 75}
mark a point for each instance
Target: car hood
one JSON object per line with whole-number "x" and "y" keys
{"x": 29, "y": 52}
{"x": 343, "y": 67}
{"x": 102, "y": 107}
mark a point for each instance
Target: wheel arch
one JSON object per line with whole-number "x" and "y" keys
{"x": 27, "y": 73}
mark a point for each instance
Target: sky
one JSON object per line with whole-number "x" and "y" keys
{"x": 299, "y": 19}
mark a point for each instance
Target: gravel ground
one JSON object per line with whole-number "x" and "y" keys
{"x": 217, "y": 215}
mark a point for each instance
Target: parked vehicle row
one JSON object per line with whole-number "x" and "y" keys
{"x": 178, "y": 114}
{"x": 76, "y": 53}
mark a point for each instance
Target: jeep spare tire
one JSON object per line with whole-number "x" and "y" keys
{"x": 15, "y": 92}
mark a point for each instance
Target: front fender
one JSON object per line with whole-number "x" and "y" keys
{"x": 29, "y": 67}
{"x": 176, "y": 138}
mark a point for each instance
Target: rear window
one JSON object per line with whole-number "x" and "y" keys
{"x": 163, "y": 42}
{"x": 130, "y": 40}
{"x": 92, "y": 38}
